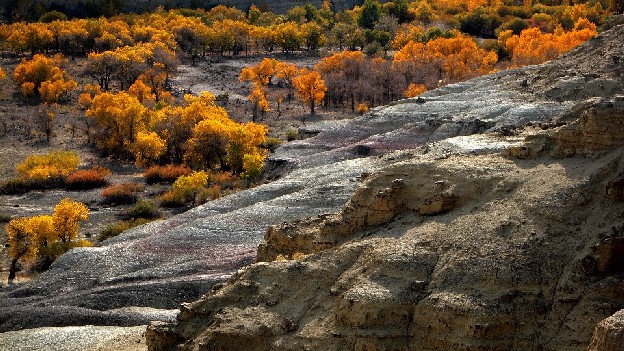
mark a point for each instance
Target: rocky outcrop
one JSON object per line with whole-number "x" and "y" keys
{"x": 448, "y": 247}
{"x": 609, "y": 334}
{"x": 522, "y": 266}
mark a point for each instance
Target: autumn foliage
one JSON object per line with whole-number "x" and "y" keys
{"x": 165, "y": 174}
{"x": 310, "y": 88}
{"x": 82, "y": 179}
{"x": 533, "y": 46}
{"x": 121, "y": 194}
{"x": 55, "y": 164}
{"x": 45, "y": 237}
{"x": 42, "y": 76}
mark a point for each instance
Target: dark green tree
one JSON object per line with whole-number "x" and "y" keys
{"x": 369, "y": 15}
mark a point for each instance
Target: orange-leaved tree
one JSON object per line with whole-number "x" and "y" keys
{"x": 533, "y": 47}
{"x": 260, "y": 73}
{"x": 310, "y": 87}
{"x": 259, "y": 100}
{"x": 450, "y": 59}
{"x": 260, "y": 76}
{"x": 414, "y": 90}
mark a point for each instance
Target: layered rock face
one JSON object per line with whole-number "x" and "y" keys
{"x": 457, "y": 244}
{"x": 470, "y": 243}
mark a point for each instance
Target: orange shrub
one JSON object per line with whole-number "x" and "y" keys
{"x": 210, "y": 193}
{"x": 121, "y": 194}
{"x": 94, "y": 177}
{"x": 362, "y": 108}
{"x": 414, "y": 90}
{"x": 165, "y": 174}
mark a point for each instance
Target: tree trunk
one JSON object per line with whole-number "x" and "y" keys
{"x": 312, "y": 107}
{"x": 12, "y": 271}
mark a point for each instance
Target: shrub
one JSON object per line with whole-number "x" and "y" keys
{"x": 55, "y": 164}
{"x": 121, "y": 226}
{"x": 207, "y": 194}
{"x": 169, "y": 199}
{"x": 271, "y": 144}
{"x": 83, "y": 179}
{"x": 292, "y": 134}
{"x": 121, "y": 194}
{"x": 165, "y": 174}
{"x": 4, "y": 218}
{"x": 186, "y": 187}
{"x": 15, "y": 186}
{"x": 362, "y": 108}
{"x": 52, "y": 16}
{"x": 143, "y": 209}
{"x": 516, "y": 25}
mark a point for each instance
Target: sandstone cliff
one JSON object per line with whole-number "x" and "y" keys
{"x": 491, "y": 242}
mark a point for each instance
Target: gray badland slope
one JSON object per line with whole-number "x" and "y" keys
{"x": 145, "y": 273}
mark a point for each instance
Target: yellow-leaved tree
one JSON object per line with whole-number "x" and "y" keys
{"x": 66, "y": 219}
{"x": 118, "y": 117}
{"x": 23, "y": 245}
{"x": 45, "y": 237}
{"x": 148, "y": 147}
{"x": 42, "y": 76}
{"x": 218, "y": 140}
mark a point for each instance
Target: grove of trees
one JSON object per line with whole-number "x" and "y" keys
{"x": 367, "y": 56}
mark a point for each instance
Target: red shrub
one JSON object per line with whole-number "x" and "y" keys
{"x": 94, "y": 177}
{"x": 165, "y": 174}
{"x": 121, "y": 194}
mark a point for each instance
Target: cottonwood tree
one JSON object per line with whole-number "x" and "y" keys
{"x": 310, "y": 88}
{"x": 42, "y": 76}
{"x": 118, "y": 118}
{"x": 45, "y": 236}
{"x": 66, "y": 219}
{"x": 23, "y": 244}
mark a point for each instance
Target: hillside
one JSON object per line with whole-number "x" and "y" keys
{"x": 456, "y": 246}
{"x": 464, "y": 242}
